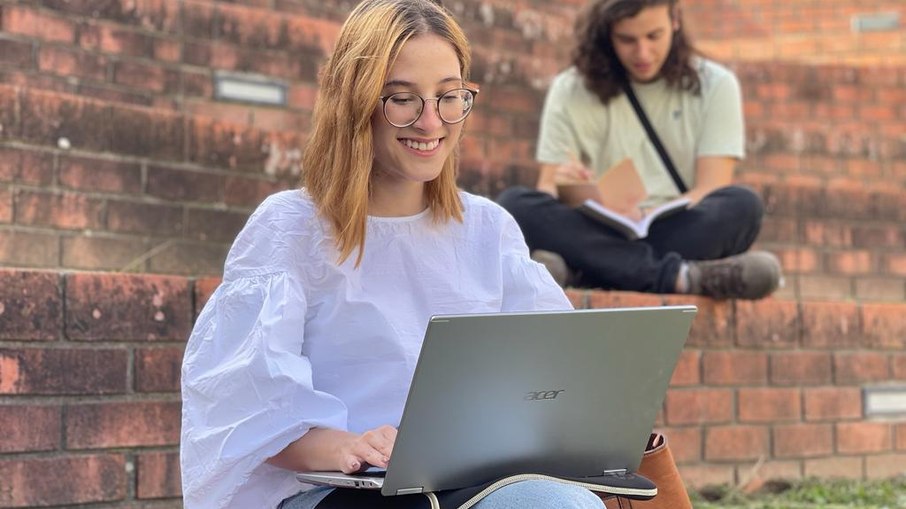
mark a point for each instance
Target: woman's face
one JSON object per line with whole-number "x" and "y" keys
{"x": 427, "y": 66}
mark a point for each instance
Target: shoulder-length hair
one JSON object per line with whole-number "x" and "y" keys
{"x": 598, "y": 63}
{"x": 339, "y": 156}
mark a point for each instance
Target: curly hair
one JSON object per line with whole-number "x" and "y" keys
{"x": 597, "y": 62}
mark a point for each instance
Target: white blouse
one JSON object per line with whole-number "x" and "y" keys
{"x": 290, "y": 340}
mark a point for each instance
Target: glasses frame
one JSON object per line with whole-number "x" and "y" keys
{"x": 436, "y": 100}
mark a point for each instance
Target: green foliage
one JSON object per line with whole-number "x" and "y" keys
{"x": 808, "y": 494}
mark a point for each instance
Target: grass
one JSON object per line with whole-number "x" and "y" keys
{"x": 808, "y": 494}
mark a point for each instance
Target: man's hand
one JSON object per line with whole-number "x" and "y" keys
{"x": 570, "y": 172}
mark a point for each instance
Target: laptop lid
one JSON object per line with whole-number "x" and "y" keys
{"x": 567, "y": 393}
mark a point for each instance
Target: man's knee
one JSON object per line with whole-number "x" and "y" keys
{"x": 517, "y": 200}
{"x": 741, "y": 204}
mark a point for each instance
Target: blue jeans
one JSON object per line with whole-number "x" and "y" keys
{"x": 522, "y": 495}
{"x": 724, "y": 223}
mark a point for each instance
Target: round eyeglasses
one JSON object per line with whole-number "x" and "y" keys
{"x": 403, "y": 109}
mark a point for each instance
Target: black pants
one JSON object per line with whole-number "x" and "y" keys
{"x": 723, "y": 223}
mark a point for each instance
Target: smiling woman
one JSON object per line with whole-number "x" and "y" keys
{"x": 302, "y": 358}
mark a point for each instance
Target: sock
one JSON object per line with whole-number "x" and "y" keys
{"x": 682, "y": 279}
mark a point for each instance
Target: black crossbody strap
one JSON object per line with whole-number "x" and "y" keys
{"x": 652, "y": 135}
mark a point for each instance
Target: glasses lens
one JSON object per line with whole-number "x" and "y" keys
{"x": 403, "y": 108}
{"x": 455, "y": 105}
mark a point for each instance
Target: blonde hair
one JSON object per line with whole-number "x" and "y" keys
{"x": 339, "y": 155}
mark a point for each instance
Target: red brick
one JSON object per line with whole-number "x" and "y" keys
{"x": 895, "y": 264}
{"x": 885, "y": 466}
{"x": 688, "y": 369}
{"x": 832, "y": 403}
{"x": 141, "y": 76}
{"x": 767, "y": 323}
{"x": 103, "y": 253}
{"x": 26, "y": 166}
{"x": 111, "y": 94}
{"x": 158, "y": 369}
{"x": 577, "y": 297}
{"x": 49, "y": 116}
{"x": 898, "y": 367}
{"x": 26, "y": 21}
{"x": 828, "y": 233}
{"x": 816, "y": 286}
{"x": 874, "y": 236}
{"x": 106, "y": 425}
{"x": 864, "y": 437}
{"x": 831, "y": 325}
{"x": 736, "y": 443}
{"x": 9, "y": 114}
{"x": 212, "y": 224}
{"x": 190, "y": 259}
{"x": 798, "y": 260}
{"x": 185, "y": 185}
{"x": 803, "y": 440}
{"x": 156, "y": 15}
{"x": 167, "y": 50}
{"x": 615, "y": 299}
{"x": 698, "y": 406}
{"x": 16, "y": 54}
{"x": 158, "y": 475}
{"x": 861, "y": 367}
{"x": 764, "y": 405}
{"x": 68, "y": 62}
{"x": 225, "y": 145}
{"x": 6, "y": 205}
{"x": 126, "y": 307}
{"x": 800, "y": 368}
{"x": 705, "y": 475}
{"x": 204, "y": 288}
{"x": 834, "y": 468}
{"x": 70, "y": 211}
{"x": 735, "y": 368}
{"x": 754, "y": 477}
{"x": 883, "y": 325}
{"x": 880, "y": 289}
{"x": 31, "y": 306}
{"x": 25, "y": 249}
{"x": 195, "y": 84}
{"x": 63, "y": 371}
{"x": 104, "y": 175}
{"x": 87, "y": 479}
{"x": 115, "y": 40}
{"x": 145, "y": 218}
{"x": 141, "y": 132}
{"x": 901, "y": 437}
{"x": 851, "y": 262}
{"x": 685, "y": 444}
{"x": 28, "y": 428}
{"x": 712, "y": 326}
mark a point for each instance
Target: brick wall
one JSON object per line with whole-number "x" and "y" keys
{"x": 115, "y": 154}
{"x": 89, "y": 386}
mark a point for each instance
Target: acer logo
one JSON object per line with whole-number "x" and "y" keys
{"x": 542, "y": 395}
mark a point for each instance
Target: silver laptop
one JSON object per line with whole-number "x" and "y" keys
{"x": 570, "y": 393}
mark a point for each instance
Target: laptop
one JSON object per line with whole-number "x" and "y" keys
{"x": 565, "y": 393}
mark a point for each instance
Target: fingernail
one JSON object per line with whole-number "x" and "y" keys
{"x": 355, "y": 465}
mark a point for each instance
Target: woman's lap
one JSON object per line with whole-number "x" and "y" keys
{"x": 534, "y": 494}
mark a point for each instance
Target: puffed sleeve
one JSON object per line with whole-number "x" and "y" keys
{"x": 527, "y": 285}
{"x": 247, "y": 388}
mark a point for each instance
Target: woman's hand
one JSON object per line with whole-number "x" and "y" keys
{"x": 332, "y": 449}
{"x": 370, "y": 448}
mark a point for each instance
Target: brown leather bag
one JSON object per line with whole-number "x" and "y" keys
{"x": 659, "y": 466}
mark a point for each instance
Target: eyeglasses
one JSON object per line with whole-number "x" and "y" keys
{"x": 403, "y": 109}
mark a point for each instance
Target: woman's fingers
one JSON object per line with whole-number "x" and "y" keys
{"x": 372, "y": 447}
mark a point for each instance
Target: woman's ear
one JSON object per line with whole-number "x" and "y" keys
{"x": 676, "y": 15}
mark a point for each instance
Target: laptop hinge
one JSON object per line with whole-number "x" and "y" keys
{"x": 616, "y": 471}
{"x": 410, "y": 491}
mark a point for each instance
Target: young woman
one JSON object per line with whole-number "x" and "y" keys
{"x": 302, "y": 358}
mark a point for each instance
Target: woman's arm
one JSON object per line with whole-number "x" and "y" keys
{"x": 331, "y": 449}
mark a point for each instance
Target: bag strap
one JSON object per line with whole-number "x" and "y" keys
{"x": 652, "y": 135}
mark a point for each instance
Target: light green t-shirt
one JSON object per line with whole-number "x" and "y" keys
{"x": 575, "y": 121}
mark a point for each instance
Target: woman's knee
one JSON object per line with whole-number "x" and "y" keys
{"x": 540, "y": 494}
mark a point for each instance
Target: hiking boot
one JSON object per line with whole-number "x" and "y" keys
{"x": 554, "y": 264}
{"x": 751, "y": 275}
